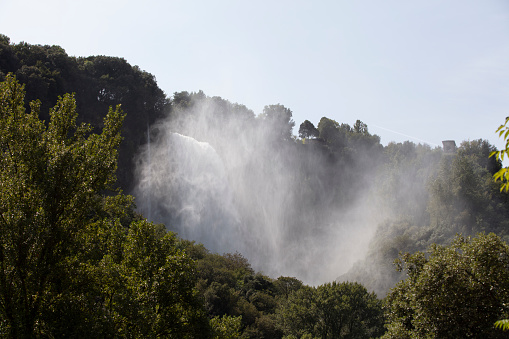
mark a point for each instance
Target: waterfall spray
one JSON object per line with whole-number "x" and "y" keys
{"x": 149, "y": 165}
{"x": 282, "y": 206}
{"x": 187, "y": 189}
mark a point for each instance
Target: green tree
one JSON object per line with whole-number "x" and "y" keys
{"x": 347, "y": 310}
{"x": 286, "y": 285}
{"x": 308, "y": 130}
{"x": 74, "y": 263}
{"x": 502, "y": 175}
{"x": 98, "y": 81}
{"x": 80, "y": 303}
{"x": 463, "y": 197}
{"x": 333, "y": 310}
{"x": 296, "y": 314}
{"x": 455, "y": 291}
{"x": 159, "y": 299}
{"x": 329, "y": 131}
{"x": 226, "y": 327}
{"x": 49, "y": 180}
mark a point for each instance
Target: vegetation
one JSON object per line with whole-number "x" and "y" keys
{"x": 451, "y": 194}
{"x": 308, "y": 130}
{"x": 78, "y": 260}
{"x": 503, "y": 173}
{"x": 74, "y": 262}
{"x": 333, "y": 310}
{"x": 455, "y": 291}
{"x": 98, "y": 83}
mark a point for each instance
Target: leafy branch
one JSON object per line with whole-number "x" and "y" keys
{"x": 502, "y": 324}
{"x": 503, "y": 173}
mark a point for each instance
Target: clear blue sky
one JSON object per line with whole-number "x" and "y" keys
{"x": 424, "y": 71}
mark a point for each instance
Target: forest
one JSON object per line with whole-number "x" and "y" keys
{"x": 129, "y": 213}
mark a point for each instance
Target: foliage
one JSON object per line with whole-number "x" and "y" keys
{"x": 72, "y": 262}
{"x": 226, "y": 327}
{"x": 503, "y": 173}
{"x": 464, "y": 198}
{"x": 502, "y": 324}
{"x": 279, "y": 118}
{"x": 330, "y": 132}
{"x": 230, "y": 289}
{"x": 454, "y": 291}
{"x": 429, "y": 196}
{"x": 76, "y": 263}
{"x": 308, "y": 130}
{"x": 49, "y": 178}
{"x": 98, "y": 81}
{"x": 343, "y": 139}
{"x": 284, "y": 307}
{"x": 333, "y": 310}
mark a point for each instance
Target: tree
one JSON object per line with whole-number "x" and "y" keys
{"x": 360, "y": 127}
{"x": 455, "y": 291}
{"x": 159, "y": 299}
{"x": 463, "y": 197}
{"x": 49, "y": 180}
{"x": 226, "y": 327}
{"x": 347, "y": 310}
{"x": 333, "y": 310}
{"x": 296, "y": 315}
{"x": 279, "y": 121}
{"x": 308, "y": 130}
{"x": 479, "y": 150}
{"x": 72, "y": 261}
{"x": 328, "y": 129}
{"x": 98, "y": 81}
{"x": 334, "y": 134}
{"x": 285, "y": 285}
{"x": 502, "y": 175}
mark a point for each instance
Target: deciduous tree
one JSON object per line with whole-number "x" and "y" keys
{"x": 455, "y": 291}
{"x": 49, "y": 181}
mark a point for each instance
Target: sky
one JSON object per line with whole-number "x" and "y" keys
{"x": 424, "y": 71}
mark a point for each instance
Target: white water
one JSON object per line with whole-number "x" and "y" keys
{"x": 187, "y": 186}
{"x": 276, "y": 204}
{"x": 148, "y": 175}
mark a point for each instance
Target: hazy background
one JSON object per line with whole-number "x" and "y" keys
{"x": 423, "y": 71}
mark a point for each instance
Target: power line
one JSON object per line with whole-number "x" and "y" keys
{"x": 405, "y": 135}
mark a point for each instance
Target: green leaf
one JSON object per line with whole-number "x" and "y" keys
{"x": 502, "y": 324}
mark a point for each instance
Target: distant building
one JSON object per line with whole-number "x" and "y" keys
{"x": 449, "y": 146}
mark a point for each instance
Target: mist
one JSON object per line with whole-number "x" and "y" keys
{"x": 217, "y": 174}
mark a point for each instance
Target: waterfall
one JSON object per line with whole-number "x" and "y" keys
{"x": 187, "y": 189}
{"x": 240, "y": 191}
{"x": 149, "y": 165}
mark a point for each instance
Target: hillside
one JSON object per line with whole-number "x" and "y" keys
{"x": 98, "y": 83}
{"x": 250, "y": 228}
